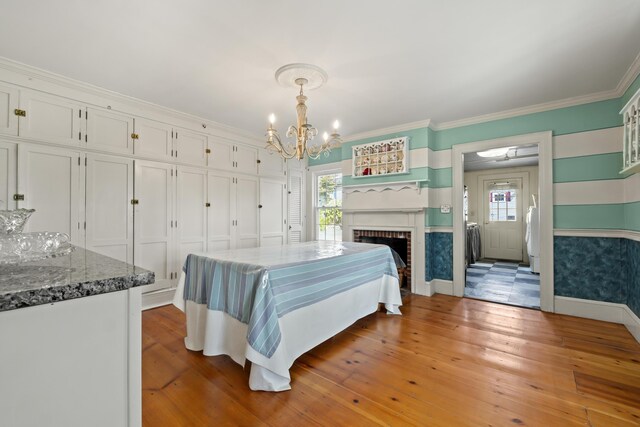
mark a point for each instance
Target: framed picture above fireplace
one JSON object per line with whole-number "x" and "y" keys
{"x": 388, "y": 157}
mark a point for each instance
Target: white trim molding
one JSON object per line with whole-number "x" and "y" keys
{"x": 438, "y": 229}
{"x": 599, "y": 310}
{"x": 619, "y": 234}
{"x": 388, "y": 130}
{"x": 531, "y": 109}
{"x": 545, "y": 184}
{"x": 157, "y": 298}
{"x": 629, "y": 77}
{"x": 440, "y": 286}
{"x": 393, "y": 186}
{"x": 36, "y": 78}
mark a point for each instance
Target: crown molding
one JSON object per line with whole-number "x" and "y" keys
{"x": 531, "y": 109}
{"x": 388, "y": 130}
{"x": 625, "y": 82}
{"x": 211, "y": 126}
{"x": 628, "y": 78}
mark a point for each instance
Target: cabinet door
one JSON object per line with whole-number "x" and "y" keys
{"x": 154, "y": 139}
{"x": 296, "y": 206}
{"x": 191, "y": 147}
{"x": 49, "y": 178}
{"x": 273, "y": 212}
{"x": 271, "y": 164}
{"x": 247, "y": 219}
{"x": 109, "y": 131}
{"x": 109, "y": 211}
{"x": 246, "y": 159}
{"x": 221, "y": 156}
{"x": 153, "y": 220}
{"x": 8, "y": 163}
{"x": 192, "y": 212}
{"x": 8, "y": 104}
{"x": 221, "y": 213}
{"x": 50, "y": 118}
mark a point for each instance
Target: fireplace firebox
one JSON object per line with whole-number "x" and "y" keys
{"x": 399, "y": 241}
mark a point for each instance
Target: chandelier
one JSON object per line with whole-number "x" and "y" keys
{"x": 302, "y": 133}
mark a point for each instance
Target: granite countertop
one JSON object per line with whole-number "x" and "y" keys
{"x": 80, "y": 274}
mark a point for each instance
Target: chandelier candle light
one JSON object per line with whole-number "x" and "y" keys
{"x": 313, "y": 77}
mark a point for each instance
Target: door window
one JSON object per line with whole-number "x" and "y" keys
{"x": 503, "y": 203}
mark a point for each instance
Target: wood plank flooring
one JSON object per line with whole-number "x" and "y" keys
{"x": 446, "y": 362}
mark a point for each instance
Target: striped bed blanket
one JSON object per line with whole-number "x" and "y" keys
{"x": 260, "y": 289}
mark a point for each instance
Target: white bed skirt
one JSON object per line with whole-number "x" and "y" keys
{"x": 215, "y": 332}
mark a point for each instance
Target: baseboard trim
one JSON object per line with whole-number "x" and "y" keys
{"x": 441, "y": 286}
{"x": 424, "y": 289}
{"x": 632, "y": 323}
{"x": 599, "y": 310}
{"x": 157, "y": 298}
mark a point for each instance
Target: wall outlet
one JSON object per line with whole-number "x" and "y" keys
{"x": 445, "y": 209}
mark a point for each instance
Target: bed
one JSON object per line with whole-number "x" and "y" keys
{"x": 270, "y": 305}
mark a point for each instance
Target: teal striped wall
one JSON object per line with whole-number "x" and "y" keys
{"x": 562, "y": 121}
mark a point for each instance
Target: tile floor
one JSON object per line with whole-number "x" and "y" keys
{"x": 504, "y": 282}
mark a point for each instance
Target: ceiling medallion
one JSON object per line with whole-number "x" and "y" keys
{"x": 311, "y": 77}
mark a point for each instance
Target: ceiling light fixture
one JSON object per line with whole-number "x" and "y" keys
{"x": 494, "y": 152}
{"x": 312, "y": 77}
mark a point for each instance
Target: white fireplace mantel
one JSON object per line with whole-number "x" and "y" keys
{"x": 409, "y": 219}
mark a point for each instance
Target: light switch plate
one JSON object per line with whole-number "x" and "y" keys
{"x": 445, "y": 209}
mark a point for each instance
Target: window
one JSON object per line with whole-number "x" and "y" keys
{"x": 502, "y": 204}
{"x": 329, "y": 207}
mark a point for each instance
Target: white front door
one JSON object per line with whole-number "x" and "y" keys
{"x": 502, "y": 219}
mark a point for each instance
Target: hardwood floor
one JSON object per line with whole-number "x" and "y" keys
{"x": 446, "y": 362}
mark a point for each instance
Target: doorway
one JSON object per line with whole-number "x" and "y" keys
{"x": 498, "y": 211}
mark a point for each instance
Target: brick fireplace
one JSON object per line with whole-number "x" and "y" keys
{"x": 400, "y": 241}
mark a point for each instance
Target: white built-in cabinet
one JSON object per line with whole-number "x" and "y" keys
{"x": 8, "y": 106}
{"x": 246, "y": 212}
{"x": 273, "y": 212}
{"x": 191, "y": 211}
{"x": 221, "y": 212}
{"x": 271, "y": 164}
{"x": 232, "y": 218}
{"x": 226, "y": 155}
{"x": 154, "y": 221}
{"x": 153, "y": 139}
{"x": 109, "y": 213}
{"x": 109, "y": 131}
{"x": 140, "y": 189}
{"x": 191, "y": 147}
{"x": 51, "y": 118}
{"x": 8, "y": 164}
{"x": 49, "y": 180}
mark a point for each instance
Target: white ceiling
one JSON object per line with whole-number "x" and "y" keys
{"x": 388, "y": 62}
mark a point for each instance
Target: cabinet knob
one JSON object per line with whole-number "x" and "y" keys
{"x": 260, "y": 206}
{"x": 207, "y": 204}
